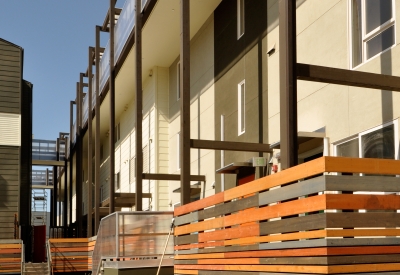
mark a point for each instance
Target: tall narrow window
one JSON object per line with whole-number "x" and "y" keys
{"x": 101, "y": 152}
{"x": 240, "y": 18}
{"x": 132, "y": 165}
{"x": 117, "y": 181}
{"x": 372, "y": 28}
{"x": 178, "y": 81}
{"x": 117, "y": 133}
{"x": 178, "y": 150}
{"x": 241, "y": 107}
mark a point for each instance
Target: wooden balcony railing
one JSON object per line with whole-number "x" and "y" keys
{"x": 327, "y": 216}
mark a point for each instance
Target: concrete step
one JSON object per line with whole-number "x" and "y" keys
{"x": 36, "y": 268}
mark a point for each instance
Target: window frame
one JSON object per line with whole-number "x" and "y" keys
{"x": 372, "y": 34}
{"x": 178, "y": 150}
{"x": 241, "y": 107}
{"x": 240, "y": 19}
{"x": 361, "y": 134}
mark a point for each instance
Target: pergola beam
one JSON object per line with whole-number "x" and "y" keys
{"x": 172, "y": 177}
{"x": 347, "y": 77}
{"x": 229, "y": 146}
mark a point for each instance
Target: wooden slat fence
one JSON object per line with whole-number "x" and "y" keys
{"x": 72, "y": 255}
{"x": 304, "y": 220}
{"x": 10, "y": 256}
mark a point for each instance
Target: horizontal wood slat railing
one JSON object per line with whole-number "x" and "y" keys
{"x": 308, "y": 219}
{"x": 10, "y": 256}
{"x": 72, "y": 255}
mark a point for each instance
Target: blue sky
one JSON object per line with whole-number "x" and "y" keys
{"x": 55, "y": 35}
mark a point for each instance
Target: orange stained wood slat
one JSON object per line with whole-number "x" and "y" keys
{"x": 266, "y": 268}
{"x": 229, "y": 261}
{"x": 200, "y": 204}
{"x": 10, "y": 246}
{"x": 319, "y": 251}
{"x": 230, "y": 233}
{"x": 177, "y": 271}
{"x": 362, "y": 165}
{"x": 354, "y": 202}
{"x": 317, "y": 234}
{"x": 364, "y": 268}
{"x": 198, "y": 245}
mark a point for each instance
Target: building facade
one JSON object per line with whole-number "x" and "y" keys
{"x": 15, "y": 144}
{"x": 234, "y": 96}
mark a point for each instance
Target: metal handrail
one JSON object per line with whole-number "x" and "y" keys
{"x": 49, "y": 262}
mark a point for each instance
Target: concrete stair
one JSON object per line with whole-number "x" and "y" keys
{"x": 36, "y": 268}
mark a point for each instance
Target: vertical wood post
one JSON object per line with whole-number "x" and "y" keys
{"x": 111, "y": 93}
{"x": 139, "y": 107}
{"x": 79, "y": 154}
{"x": 184, "y": 142}
{"x": 97, "y": 136}
{"x": 288, "y": 83}
{"x": 90, "y": 147}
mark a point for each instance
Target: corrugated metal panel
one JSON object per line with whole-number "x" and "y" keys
{"x": 10, "y": 129}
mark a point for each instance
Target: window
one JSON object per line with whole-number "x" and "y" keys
{"x": 241, "y": 107}
{"x": 117, "y": 133}
{"x": 132, "y": 172}
{"x": 178, "y": 81}
{"x": 372, "y": 28}
{"x": 117, "y": 181}
{"x": 178, "y": 150}
{"x": 379, "y": 142}
{"x": 240, "y": 18}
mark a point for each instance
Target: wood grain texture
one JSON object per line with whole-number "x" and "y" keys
{"x": 200, "y": 204}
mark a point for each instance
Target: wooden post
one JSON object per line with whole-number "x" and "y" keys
{"x": 111, "y": 137}
{"x": 97, "y": 136}
{"x": 184, "y": 142}
{"x": 90, "y": 147}
{"x": 288, "y": 83}
{"x": 139, "y": 108}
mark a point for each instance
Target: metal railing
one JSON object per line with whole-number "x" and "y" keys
{"x": 124, "y": 27}
{"x": 49, "y": 260}
{"x": 140, "y": 236}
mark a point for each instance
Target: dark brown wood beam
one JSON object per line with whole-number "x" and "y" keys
{"x": 184, "y": 142}
{"x": 347, "y": 77}
{"x": 111, "y": 137}
{"x": 172, "y": 177}
{"x": 97, "y": 160}
{"x": 90, "y": 143}
{"x": 288, "y": 83}
{"x": 229, "y": 145}
{"x": 139, "y": 108}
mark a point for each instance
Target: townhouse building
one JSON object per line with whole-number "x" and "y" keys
{"x": 234, "y": 97}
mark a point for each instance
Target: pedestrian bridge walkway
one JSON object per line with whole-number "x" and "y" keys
{"x": 44, "y": 153}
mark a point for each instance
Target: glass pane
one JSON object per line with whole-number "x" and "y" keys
{"x": 348, "y": 149}
{"x": 356, "y": 33}
{"x": 379, "y": 144}
{"x": 380, "y": 42}
{"x": 377, "y": 13}
{"x": 241, "y": 17}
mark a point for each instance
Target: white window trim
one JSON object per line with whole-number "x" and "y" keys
{"x": 370, "y": 35}
{"x": 178, "y": 81}
{"x": 359, "y": 135}
{"x": 239, "y": 33}
{"x": 240, "y": 111}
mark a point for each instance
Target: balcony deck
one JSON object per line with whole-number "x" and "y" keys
{"x": 309, "y": 219}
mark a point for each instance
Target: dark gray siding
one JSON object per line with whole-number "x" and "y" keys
{"x": 10, "y": 77}
{"x": 9, "y": 189}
